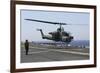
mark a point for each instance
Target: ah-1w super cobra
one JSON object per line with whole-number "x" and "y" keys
{"x": 59, "y": 35}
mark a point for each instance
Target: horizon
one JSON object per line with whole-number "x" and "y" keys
{"x": 54, "y": 41}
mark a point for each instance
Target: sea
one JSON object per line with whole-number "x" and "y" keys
{"x": 80, "y": 43}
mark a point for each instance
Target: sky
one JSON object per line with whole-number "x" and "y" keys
{"x": 78, "y": 24}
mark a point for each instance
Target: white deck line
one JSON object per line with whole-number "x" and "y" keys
{"x": 37, "y": 52}
{"x": 73, "y": 52}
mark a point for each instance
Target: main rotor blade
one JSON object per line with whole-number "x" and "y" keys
{"x": 78, "y": 24}
{"x": 56, "y": 23}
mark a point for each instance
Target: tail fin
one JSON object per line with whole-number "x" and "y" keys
{"x": 38, "y": 29}
{"x": 41, "y": 32}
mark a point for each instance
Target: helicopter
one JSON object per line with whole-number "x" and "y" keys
{"x": 58, "y": 35}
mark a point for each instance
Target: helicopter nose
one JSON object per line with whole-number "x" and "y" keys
{"x": 72, "y": 37}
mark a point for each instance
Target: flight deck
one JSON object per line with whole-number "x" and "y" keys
{"x": 50, "y": 53}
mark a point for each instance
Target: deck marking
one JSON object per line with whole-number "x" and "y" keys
{"x": 38, "y": 52}
{"x": 72, "y": 52}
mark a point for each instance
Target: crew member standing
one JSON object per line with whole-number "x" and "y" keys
{"x": 26, "y": 47}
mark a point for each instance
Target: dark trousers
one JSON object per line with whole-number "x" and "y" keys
{"x": 26, "y": 51}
